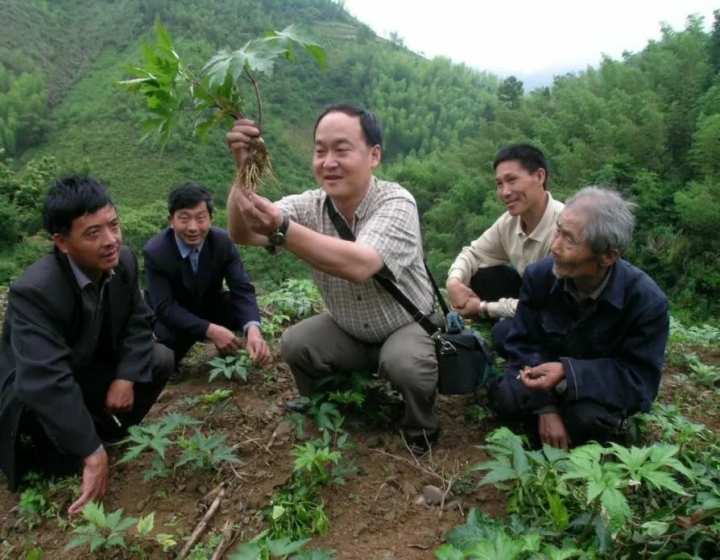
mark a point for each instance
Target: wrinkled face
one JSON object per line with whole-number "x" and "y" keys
{"x": 191, "y": 224}
{"x": 519, "y": 189}
{"x": 342, "y": 161}
{"x": 572, "y": 255}
{"x": 93, "y": 242}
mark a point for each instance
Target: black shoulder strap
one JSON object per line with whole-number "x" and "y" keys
{"x": 382, "y": 276}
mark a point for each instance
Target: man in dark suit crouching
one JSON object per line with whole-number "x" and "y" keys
{"x": 185, "y": 266}
{"x": 77, "y": 360}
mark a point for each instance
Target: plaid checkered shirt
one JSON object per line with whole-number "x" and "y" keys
{"x": 387, "y": 220}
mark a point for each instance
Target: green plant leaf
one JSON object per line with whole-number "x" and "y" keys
{"x": 163, "y": 37}
{"x": 145, "y": 525}
{"x": 285, "y": 546}
{"x": 559, "y": 512}
{"x": 661, "y": 479}
{"x": 248, "y": 551}
{"x": 295, "y": 34}
{"x": 448, "y": 552}
{"x": 655, "y": 528}
{"x": 77, "y": 541}
{"x": 94, "y": 513}
{"x": 617, "y": 508}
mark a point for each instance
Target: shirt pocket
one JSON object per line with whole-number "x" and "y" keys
{"x": 555, "y": 331}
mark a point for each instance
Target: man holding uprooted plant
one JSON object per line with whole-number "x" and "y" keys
{"x": 484, "y": 280}
{"x": 78, "y": 365}
{"x": 365, "y": 328}
{"x": 588, "y": 339}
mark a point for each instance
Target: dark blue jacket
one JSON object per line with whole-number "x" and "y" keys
{"x": 178, "y": 295}
{"x": 612, "y": 350}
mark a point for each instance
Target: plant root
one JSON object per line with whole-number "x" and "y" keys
{"x": 254, "y": 169}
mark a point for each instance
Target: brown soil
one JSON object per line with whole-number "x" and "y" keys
{"x": 374, "y": 515}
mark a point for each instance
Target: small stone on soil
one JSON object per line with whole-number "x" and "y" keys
{"x": 372, "y": 441}
{"x": 359, "y": 528}
{"x": 432, "y": 494}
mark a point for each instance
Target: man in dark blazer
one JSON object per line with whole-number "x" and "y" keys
{"x": 185, "y": 266}
{"x": 77, "y": 361}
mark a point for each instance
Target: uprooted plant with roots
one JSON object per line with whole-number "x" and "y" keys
{"x": 215, "y": 96}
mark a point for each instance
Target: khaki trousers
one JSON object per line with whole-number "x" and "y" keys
{"x": 317, "y": 347}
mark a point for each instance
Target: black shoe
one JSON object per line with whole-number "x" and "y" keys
{"x": 421, "y": 443}
{"x": 177, "y": 376}
{"x": 301, "y": 405}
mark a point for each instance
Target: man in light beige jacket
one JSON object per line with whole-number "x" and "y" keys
{"x": 484, "y": 280}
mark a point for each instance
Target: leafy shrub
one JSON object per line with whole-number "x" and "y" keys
{"x": 232, "y": 367}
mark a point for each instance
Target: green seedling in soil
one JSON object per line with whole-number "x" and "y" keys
{"x": 695, "y": 335}
{"x": 107, "y": 532}
{"x": 42, "y": 499}
{"x": 217, "y": 396}
{"x": 348, "y": 398}
{"x": 475, "y": 414}
{"x": 264, "y": 548}
{"x": 233, "y": 367}
{"x": 297, "y": 512}
{"x": 206, "y": 452}
{"x": 158, "y": 469}
{"x": 215, "y": 97}
{"x": 483, "y": 537}
{"x": 274, "y": 325}
{"x": 603, "y": 500}
{"x": 104, "y": 532}
{"x": 30, "y": 551}
{"x": 154, "y": 436}
{"x": 703, "y": 373}
{"x": 167, "y": 542}
{"x": 315, "y": 463}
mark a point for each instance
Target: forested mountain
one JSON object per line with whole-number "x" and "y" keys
{"x": 648, "y": 125}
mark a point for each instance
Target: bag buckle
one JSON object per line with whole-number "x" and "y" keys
{"x": 446, "y": 347}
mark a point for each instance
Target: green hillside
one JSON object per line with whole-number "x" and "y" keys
{"x": 648, "y": 125}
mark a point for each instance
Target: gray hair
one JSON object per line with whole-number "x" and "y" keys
{"x": 610, "y": 220}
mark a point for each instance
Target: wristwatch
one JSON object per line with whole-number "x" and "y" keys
{"x": 277, "y": 237}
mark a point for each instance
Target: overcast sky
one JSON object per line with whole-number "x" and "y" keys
{"x": 527, "y": 37}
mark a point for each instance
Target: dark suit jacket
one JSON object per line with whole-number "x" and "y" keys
{"x": 181, "y": 298}
{"x": 43, "y": 361}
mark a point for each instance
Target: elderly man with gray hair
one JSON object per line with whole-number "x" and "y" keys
{"x": 587, "y": 344}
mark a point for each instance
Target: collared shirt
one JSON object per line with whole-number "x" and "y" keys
{"x": 92, "y": 299}
{"x": 570, "y": 287}
{"x": 387, "y": 220}
{"x": 93, "y": 309}
{"x": 506, "y": 242}
{"x": 185, "y": 251}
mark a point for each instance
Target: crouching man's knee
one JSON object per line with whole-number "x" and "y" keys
{"x": 292, "y": 346}
{"x": 163, "y": 363}
{"x": 503, "y": 399}
{"x": 588, "y": 420}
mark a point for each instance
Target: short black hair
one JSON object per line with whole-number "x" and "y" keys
{"x": 528, "y": 156}
{"x": 189, "y": 195}
{"x": 70, "y": 198}
{"x": 372, "y": 131}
